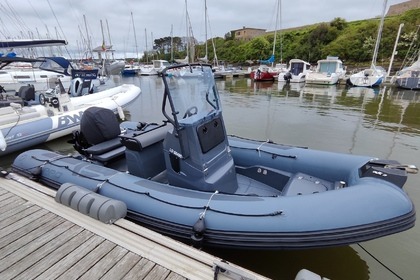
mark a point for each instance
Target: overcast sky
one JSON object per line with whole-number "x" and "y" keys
{"x": 156, "y": 17}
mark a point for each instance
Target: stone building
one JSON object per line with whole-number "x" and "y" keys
{"x": 403, "y": 7}
{"x": 246, "y": 33}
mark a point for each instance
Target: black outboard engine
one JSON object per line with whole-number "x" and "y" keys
{"x": 27, "y": 93}
{"x": 197, "y": 153}
{"x": 287, "y": 77}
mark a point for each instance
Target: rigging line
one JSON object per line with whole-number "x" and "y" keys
{"x": 17, "y": 18}
{"x": 61, "y": 29}
{"x": 381, "y": 263}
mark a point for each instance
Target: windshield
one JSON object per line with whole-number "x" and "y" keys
{"x": 191, "y": 92}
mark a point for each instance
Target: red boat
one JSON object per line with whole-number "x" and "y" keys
{"x": 262, "y": 74}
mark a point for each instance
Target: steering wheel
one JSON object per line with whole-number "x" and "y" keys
{"x": 190, "y": 111}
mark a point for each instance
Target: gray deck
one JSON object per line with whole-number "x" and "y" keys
{"x": 41, "y": 239}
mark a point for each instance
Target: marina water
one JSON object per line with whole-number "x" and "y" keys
{"x": 382, "y": 122}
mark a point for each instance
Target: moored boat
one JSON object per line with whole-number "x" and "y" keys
{"x": 262, "y": 74}
{"x": 296, "y": 73}
{"x": 187, "y": 179}
{"x": 58, "y": 115}
{"x": 409, "y": 77}
{"x": 328, "y": 72}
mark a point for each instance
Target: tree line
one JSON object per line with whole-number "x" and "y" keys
{"x": 353, "y": 42}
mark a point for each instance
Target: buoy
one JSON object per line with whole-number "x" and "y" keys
{"x": 197, "y": 235}
{"x": 3, "y": 144}
{"x": 121, "y": 113}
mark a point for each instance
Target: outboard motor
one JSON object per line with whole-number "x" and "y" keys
{"x": 27, "y": 93}
{"x": 287, "y": 77}
{"x": 197, "y": 153}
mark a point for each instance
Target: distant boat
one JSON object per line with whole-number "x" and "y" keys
{"x": 374, "y": 75}
{"x": 264, "y": 73}
{"x": 155, "y": 68}
{"x": 43, "y": 73}
{"x": 328, "y": 72}
{"x": 296, "y": 73}
{"x": 58, "y": 115}
{"x": 409, "y": 77}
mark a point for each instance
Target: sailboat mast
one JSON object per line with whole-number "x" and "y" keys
{"x": 378, "y": 38}
{"x": 187, "y": 31}
{"x": 205, "y": 27}
{"x": 172, "y": 43}
{"x": 145, "y": 53}
{"x": 275, "y": 30}
{"x": 109, "y": 38}
{"x": 135, "y": 37}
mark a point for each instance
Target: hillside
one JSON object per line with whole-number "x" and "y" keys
{"x": 353, "y": 42}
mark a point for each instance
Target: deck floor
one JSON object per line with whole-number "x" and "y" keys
{"x": 41, "y": 239}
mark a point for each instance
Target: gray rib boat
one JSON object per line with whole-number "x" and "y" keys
{"x": 187, "y": 179}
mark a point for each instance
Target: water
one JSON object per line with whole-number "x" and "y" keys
{"x": 383, "y": 123}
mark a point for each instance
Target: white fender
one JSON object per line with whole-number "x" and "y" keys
{"x": 3, "y": 144}
{"x": 76, "y": 87}
{"x": 121, "y": 113}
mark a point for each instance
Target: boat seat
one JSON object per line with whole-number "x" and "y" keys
{"x": 100, "y": 128}
{"x": 104, "y": 147}
{"x": 144, "y": 152}
{"x": 302, "y": 184}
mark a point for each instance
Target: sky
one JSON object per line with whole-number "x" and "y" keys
{"x": 156, "y": 19}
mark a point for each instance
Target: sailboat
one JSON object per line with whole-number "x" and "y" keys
{"x": 264, "y": 72}
{"x": 131, "y": 69}
{"x": 409, "y": 77}
{"x": 374, "y": 75}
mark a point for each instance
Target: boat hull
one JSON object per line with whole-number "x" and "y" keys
{"x": 318, "y": 218}
{"x": 262, "y": 76}
{"x": 409, "y": 82}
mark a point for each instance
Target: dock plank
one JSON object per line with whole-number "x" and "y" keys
{"x": 51, "y": 253}
{"x": 52, "y": 241}
{"x": 11, "y": 234}
{"x": 64, "y": 264}
{"x": 157, "y": 273}
{"x": 20, "y": 219}
{"x": 26, "y": 243}
{"x": 140, "y": 270}
{"x": 88, "y": 261}
{"x": 105, "y": 264}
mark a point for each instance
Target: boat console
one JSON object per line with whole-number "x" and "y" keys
{"x": 197, "y": 153}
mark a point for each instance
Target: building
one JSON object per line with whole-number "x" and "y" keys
{"x": 398, "y": 9}
{"x": 246, "y": 33}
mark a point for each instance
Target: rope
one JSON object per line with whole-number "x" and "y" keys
{"x": 101, "y": 182}
{"x": 381, "y": 263}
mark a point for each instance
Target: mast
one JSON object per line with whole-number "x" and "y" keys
{"x": 378, "y": 38}
{"x": 395, "y": 49}
{"x": 187, "y": 31}
{"x": 275, "y": 29}
{"x": 135, "y": 37}
{"x": 87, "y": 34}
{"x": 109, "y": 38}
{"x": 145, "y": 53}
{"x": 172, "y": 43}
{"x": 205, "y": 28}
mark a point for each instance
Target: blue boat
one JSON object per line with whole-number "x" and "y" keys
{"x": 186, "y": 178}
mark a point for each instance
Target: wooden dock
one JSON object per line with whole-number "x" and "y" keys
{"x": 42, "y": 239}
